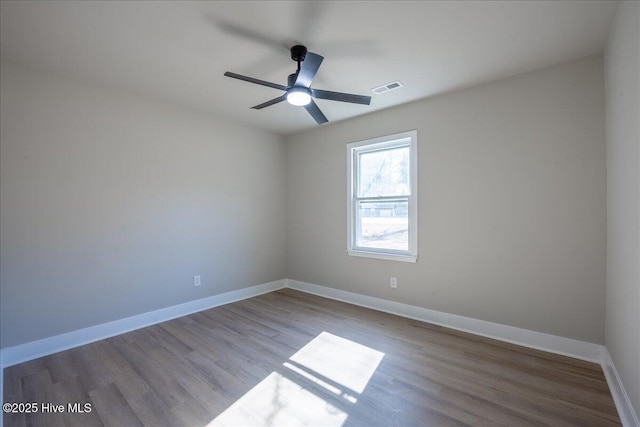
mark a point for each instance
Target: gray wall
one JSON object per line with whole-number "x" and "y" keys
{"x": 511, "y": 211}
{"x": 622, "y": 71}
{"x": 110, "y": 204}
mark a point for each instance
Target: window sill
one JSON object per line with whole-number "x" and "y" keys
{"x": 385, "y": 256}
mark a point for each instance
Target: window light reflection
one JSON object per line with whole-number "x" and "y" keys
{"x": 341, "y": 360}
{"x": 339, "y": 366}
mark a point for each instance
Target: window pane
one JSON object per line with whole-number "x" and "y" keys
{"x": 383, "y": 224}
{"x": 384, "y": 173}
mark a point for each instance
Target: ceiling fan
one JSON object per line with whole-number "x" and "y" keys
{"x": 298, "y": 90}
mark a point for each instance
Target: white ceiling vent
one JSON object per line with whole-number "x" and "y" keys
{"x": 386, "y": 88}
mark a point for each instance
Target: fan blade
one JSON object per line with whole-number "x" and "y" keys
{"x": 308, "y": 69}
{"x": 342, "y": 97}
{"x": 271, "y": 102}
{"x": 315, "y": 112}
{"x": 248, "y": 34}
{"x": 256, "y": 81}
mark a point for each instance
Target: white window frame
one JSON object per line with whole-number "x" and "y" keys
{"x": 403, "y": 139}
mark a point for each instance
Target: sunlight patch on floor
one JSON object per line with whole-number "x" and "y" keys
{"x": 337, "y": 365}
{"x": 341, "y": 360}
{"x": 278, "y": 401}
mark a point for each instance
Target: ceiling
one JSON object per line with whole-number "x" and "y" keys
{"x": 178, "y": 51}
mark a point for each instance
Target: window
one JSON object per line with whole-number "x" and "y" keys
{"x": 383, "y": 198}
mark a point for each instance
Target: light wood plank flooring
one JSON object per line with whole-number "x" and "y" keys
{"x": 299, "y": 359}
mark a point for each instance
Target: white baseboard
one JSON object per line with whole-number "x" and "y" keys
{"x": 538, "y": 340}
{"x": 628, "y": 416}
{"x": 566, "y": 346}
{"x": 32, "y": 350}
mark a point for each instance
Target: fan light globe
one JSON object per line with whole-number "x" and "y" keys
{"x": 298, "y": 96}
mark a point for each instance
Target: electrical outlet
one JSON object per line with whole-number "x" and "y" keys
{"x": 196, "y": 281}
{"x": 393, "y": 282}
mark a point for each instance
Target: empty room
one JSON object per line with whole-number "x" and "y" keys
{"x": 320, "y": 213}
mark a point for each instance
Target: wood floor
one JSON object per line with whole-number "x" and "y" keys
{"x": 288, "y": 358}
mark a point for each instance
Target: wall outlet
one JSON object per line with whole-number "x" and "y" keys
{"x": 196, "y": 281}
{"x": 393, "y": 282}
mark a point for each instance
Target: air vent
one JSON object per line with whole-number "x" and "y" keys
{"x": 386, "y": 88}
